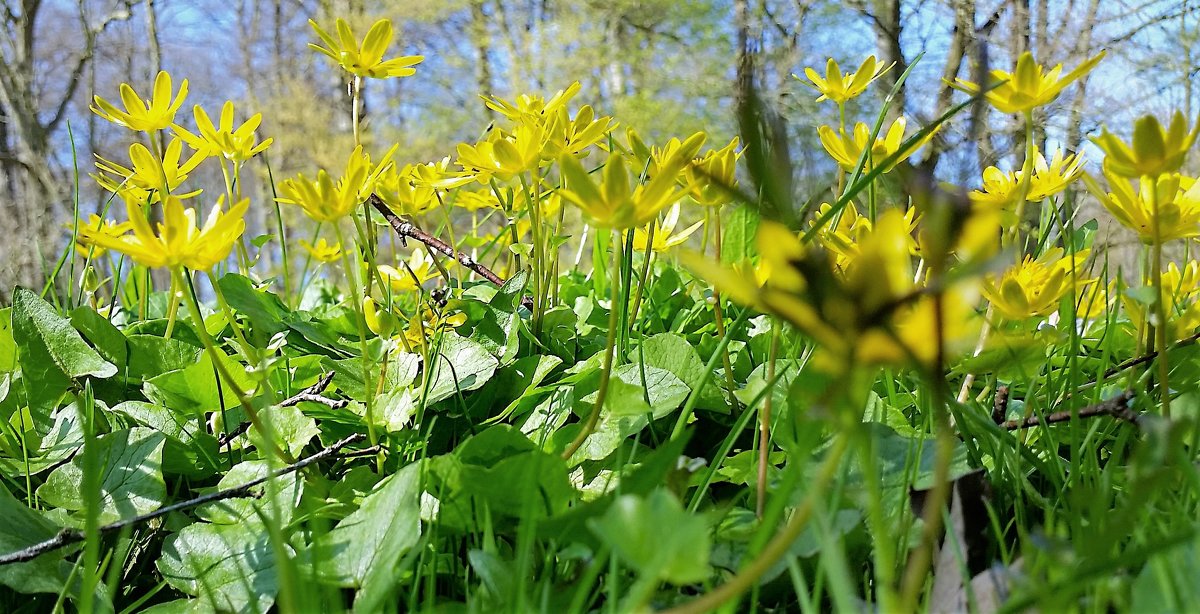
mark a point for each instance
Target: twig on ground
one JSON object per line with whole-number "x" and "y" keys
{"x": 1145, "y": 358}
{"x": 311, "y": 394}
{"x": 1117, "y": 407}
{"x": 407, "y": 230}
{"x": 1000, "y": 405}
{"x": 71, "y": 536}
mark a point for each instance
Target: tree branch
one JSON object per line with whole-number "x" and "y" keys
{"x": 407, "y": 230}
{"x": 1117, "y": 407}
{"x": 71, "y": 536}
{"x": 311, "y": 394}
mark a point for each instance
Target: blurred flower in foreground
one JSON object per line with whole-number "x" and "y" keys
{"x": 871, "y": 313}
{"x": 365, "y": 60}
{"x": 156, "y": 113}
{"x": 1154, "y": 150}
{"x": 322, "y": 251}
{"x": 179, "y": 242}
{"x": 840, "y": 87}
{"x": 1034, "y": 287}
{"x": 1029, "y": 85}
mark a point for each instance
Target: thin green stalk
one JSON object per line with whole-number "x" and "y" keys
{"x": 91, "y": 495}
{"x": 1162, "y": 327}
{"x": 356, "y": 304}
{"x": 172, "y": 306}
{"x": 219, "y": 365}
{"x": 775, "y": 550}
{"x": 283, "y": 244}
{"x": 593, "y": 418}
{"x": 694, "y": 397}
{"x": 74, "y": 219}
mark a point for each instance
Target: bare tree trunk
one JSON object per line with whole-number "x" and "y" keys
{"x": 886, "y": 24}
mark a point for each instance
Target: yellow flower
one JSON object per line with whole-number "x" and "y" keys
{"x": 840, "y": 87}
{"x": 573, "y": 136}
{"x": 504, "y": 157}
{"x": 382, "y": 322}
{"x": 322, "y": 251}
{"x": 421, "y": 330}
{"x": 1034, "y": 287}
{"x": 713, "y": 177}
{"x": 614, "y": 203}
{"x": 95, "y": 226}
{"x": 416, "y": 271}
{"x": 1029, "y": 86}
{"x": 872, "y": 313}
{"x": 846, "y": 150}
{"x": 157, "y": 113}
{"x": 531, "y": 106}
{"x": 1179, "y": 291}
{"x": 365, "y": 60}
{"x": 224, "y": 140}
{"x": 326, "y": 201}
{"x": 1175, "y": 199}
{"x": 1049, "y": 178}
{"x": 665, "y": 236}
{"x": 150, "y": 176}
{"x": 1154, "y": 150}
{"x": 843, "y": 237}
{"x": 474, "y": 200}
{"x": 179, "y": 242}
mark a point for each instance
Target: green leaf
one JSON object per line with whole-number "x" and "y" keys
{"x": 674, "y": 353}
{"x": 151, "y": 355}
{"x": 370, "y": 541}
{"x": 60, "y": 443}
{"x": 740, "y": 229}
{"x": 291, "y": 427}
{"x": 52, "y": 352}
{"x": 265, "y": 311}
{"x": 108, "y": 339}
{"x": 1168, "y": 581}
{"x": 131, "y": 481}
{"x": 231, "y": 567}
{"x": 655, "y": 536}
{"x": 625, "y": 410}
{"x": 461, "y": 365}
{"x": 8, "y": 346}
{"x": 279, "y": 503}
{"x": 23, "y": 527}
{"x": 189, "y": 449}
{"x": 197, "y": 389}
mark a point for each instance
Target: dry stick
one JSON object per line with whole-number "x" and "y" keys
{"x": 1145, "y": 358}
{"x": 311, "y": 394}
{"x": 1117, "y": 407}
{"x": 408, "y": 230}
{"x": 71, "y": 536}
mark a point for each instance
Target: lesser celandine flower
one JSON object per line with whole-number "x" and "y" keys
{"x": 1029, "y": 86}
{"x": 615, "y": 203}
{"x": 1179, "y": 297}
{"x": 1001, "y": 189}
{"x": 1155, "y": 150}
{"x": 96, "y": 226}
{"x": 532, "y": 106}
{"x": 365, "y": 60}
{"x": 665, "y": 236}
{"x": 1034, "y": 287}
{"x": 421, "y": 330}
{"x": 840, "y": 87}
{"x": 1171, "y": 200}
{"x": 846, "y": 149}
{"x": 223, "y": 140}
{"x": 322, "y": 251}
{"x": 572, "y": 136}
{"x": 155, "y": 113}
{"x": 326, "y": 201}
{"x": 179, "y": 241}
{"x": 418, "y": 269}
{"x": 504, "y": 157}
{"x": 149, "y": 174}
{"x": 712, "y": 177}
{"x": 843, "y": 237}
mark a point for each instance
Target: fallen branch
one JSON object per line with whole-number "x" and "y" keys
{"x": 66, "y": 537}
{"x": 1145, "y": 358}
{"x": 1117, "y": 407}
{"x": 407, "y": 230}
{"x": 311, "y": 394}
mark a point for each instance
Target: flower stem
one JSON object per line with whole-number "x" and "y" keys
{"x": 356, "y": 304}
{"x": 606, "y": 372}
{"x": 1162, "y": 329}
